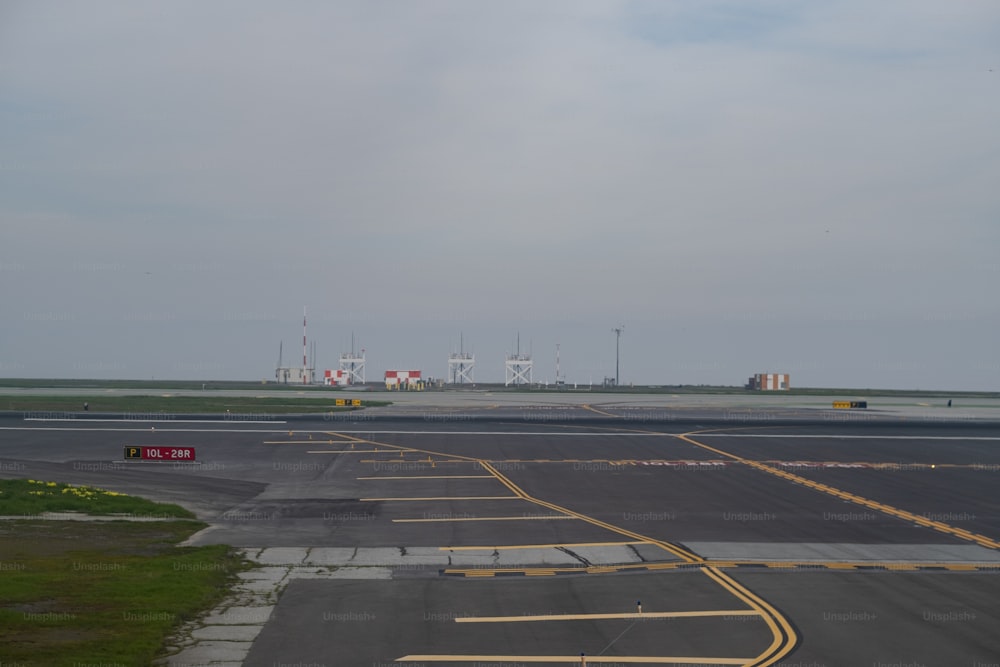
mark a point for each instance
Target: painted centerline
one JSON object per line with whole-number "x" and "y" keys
{"x": 603, "y": 617}
{"x": 439, "y": 498}
{"x": 432, "y": 477}
{"x": 545, "y": 546}
{"x": 554, "y": 517}
{"x": 575, "y": 659}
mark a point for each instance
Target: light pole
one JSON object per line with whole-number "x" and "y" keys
{"x": 618, "y": 344}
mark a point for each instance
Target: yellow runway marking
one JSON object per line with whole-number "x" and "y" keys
{"x": 676, "y": 551}
{"x": 371, "y": 500}
{"x": 430, "y": 464}
{"x": 342, "y": 451}
{"x": 605, "y": 617}
{"x": 317, "y": 441}
{"x": 554, "y": 517}
{"x": 844, "y": 495}
{"x": 575, "y": 659}
{"x": 544, "y": 546}
{"x": 433, "y": 477}
{"x": 784, "y": 637}
{"x": 600, "y": 412}
{"x": 346, "y": 436}
{"x": 782, "y": 632}
{"x": 730, "y": 564}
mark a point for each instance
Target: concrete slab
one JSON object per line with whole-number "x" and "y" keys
{"x": 211, "y": 653}
{"x": 511, "y": 558}
{"x": 653, "y": 553}
{"x": 258, "y": 587}
{"x": 395, "y": 556}
{"x": 346, "y": 573}
{"x": 240, "y": 616}
{"x": 423, "y": 557}
{"x": 283, "y": 555}
{"x": 228, "y": 633}
{"x": 273, "y": 574}
{"x": 330, "y": 555}
{"x": 609, "y": 555}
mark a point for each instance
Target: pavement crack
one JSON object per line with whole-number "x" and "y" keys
{"x": 636, "y": 552}
{"x": 575, "y": 555}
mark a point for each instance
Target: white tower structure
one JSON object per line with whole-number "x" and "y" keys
{"x": 353, "y": 364}
{"x": 461, "y": 365}
{"x": 517, "y": 367}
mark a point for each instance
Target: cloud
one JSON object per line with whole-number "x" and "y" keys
{"x": 529, "y": 162}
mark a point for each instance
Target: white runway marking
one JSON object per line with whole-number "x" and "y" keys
{"x": 590, "y": 434}
{"x": 160, "y": 421}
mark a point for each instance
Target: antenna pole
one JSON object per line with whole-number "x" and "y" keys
{"x": 557, "y": 363}
{"x": 618, "y": 344}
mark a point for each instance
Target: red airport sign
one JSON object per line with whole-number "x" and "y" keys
{"x": 142, "y": 453}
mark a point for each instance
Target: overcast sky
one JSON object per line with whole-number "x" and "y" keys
{"x": 801, "y": 187}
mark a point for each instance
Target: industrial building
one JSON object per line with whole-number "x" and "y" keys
{"x": 403, "y": 380}
{"x": 294, "y": 374}
{"x": 769, "y": 382}
{"x": 351, "y": 371}
{"x": 336, "y": 378}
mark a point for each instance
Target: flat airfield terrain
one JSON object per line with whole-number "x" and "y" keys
{"x": 601, "y": 534}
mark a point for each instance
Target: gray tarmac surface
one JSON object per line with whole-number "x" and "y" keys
{"x": 928, "y": 619}
{"x": 445, "y": 507}
{"x": 379, "y": 622}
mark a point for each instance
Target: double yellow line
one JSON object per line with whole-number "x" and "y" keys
{"x": 784, "y": 638}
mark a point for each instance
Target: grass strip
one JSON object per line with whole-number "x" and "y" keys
{"x": 75, "y": 592}
{"x": 30, "y": 497}
{"x": 146, "y": 406}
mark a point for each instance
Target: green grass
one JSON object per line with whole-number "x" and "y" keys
{"x": 209, "y": 404}
{"x": 74, "y": 592}
{"x": 25, "y": 497}
{"x": 69, "y": 383}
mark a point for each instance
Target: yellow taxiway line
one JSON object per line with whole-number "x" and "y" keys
{"x": 438, "y": 498}
{"x": 784, "y": 637}
{"x": 432, "y": 477}
{"x": 577, "y": 660}
{"x": 600, "y": 412}
{"x": 544, "y": 546}
{"x": 605, "y": 617}
{"x": 850, "y": 497}
{"x": 342, "y": 451}
{"x": 554, "y": 517}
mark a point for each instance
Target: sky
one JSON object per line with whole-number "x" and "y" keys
{"x": 777, "y": 186}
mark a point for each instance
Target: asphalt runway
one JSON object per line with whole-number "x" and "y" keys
{"x": 809, "y": 542}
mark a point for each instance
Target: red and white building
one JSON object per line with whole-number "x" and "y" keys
{"x": 770, "y": 382}
{"x": 337, "y": 378}
{"x": 402, "y": 379}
